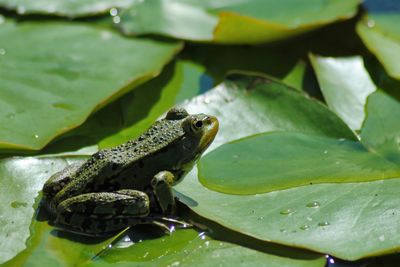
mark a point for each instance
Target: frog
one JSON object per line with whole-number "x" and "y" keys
{"x": 128, "y": 184}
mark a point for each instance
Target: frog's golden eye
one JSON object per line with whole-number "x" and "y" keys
{"x": 197, "y": 125}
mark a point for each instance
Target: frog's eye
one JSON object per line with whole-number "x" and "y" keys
{"x": 197, "y": 125}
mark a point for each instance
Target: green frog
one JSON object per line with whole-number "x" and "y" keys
{"x": 123, "y": 185}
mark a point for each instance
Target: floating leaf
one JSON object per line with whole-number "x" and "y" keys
{"x": 381, "y": 129}
{"x": 328, "y": 218}
{"x": 349, "y": 220}
{"x": 280, "y": 160}
{"x": 90, "y": 67}
{"x": 383, "y": 40}
{"x": 345, "y": 85}
{"x": 67, "y": 8}
{"x": 244, "y": 22}
{"x": 189, "y": 248}
{"x": 255, "y": 104}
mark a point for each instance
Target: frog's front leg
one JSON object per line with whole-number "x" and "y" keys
{"x": 103, "y": 212}
{"x": 162, "y": 187}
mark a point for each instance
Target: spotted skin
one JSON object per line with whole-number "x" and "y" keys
{"x": 124, "y": 185}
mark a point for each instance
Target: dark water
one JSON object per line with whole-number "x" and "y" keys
{"x": 382, "y": 6}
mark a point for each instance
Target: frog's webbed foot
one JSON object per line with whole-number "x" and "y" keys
{"x": 103, "y": 212}
{"x": 162, "y": 188}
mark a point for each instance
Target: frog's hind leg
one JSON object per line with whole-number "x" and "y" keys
{"x": 103, "y": 212}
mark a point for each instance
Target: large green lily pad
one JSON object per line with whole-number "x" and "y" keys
{"x": 69, "y": 70}
{"x": 64, "y": 7}
{"x": 347, "y": 220}
{"x": 244, "y": 22}
{"x": 279, "y": 160}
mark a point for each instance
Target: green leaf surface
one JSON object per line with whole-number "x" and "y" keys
{"x": 381, "y": 129}
{"x": 346, "y": 220}
{"x": 69, "y": 71}
{"x": 349, "y": 220}
{"x": 345, "y": 85}
{"x": 280, "y": 160}
{"x": 67, "y": 8}
{"x": 189, "y": 248}
{"x": 383, "y": 40}
{"x": 20, "y": 181}
{"x": 244, "y": 22}
{"x": 255, "y": 104}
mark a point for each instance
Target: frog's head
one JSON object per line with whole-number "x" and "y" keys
{"x": 199, "y": 132}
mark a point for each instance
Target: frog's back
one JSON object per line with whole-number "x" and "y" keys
{"x": 103, "y": 170}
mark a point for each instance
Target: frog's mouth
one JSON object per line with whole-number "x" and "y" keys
{"x": 211, "y": 126}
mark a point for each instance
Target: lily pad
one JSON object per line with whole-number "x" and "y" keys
{"x": 345, "y": 85}
{"x": 21, "y": 179}
{"x": 244, "y": 22}
{"x": 255, "y": 104}
{"x": 90, "y": 68}
{"x": 347, "y": 220}
{"x": 383, "y": 40}
{"x": 280, "y": 160}
{"x": 66, "y": 8}
{"x": 189, "y": 248}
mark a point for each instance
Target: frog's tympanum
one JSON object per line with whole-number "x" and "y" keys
{"x": 121, "y": 186}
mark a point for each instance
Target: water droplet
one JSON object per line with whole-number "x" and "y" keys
{"x": 283, "y": 231}
{"x": 323, "y": 223}
{"x": 2, "y": 51}
{"x": 370, "y": 23}
{"x": 172, "y": 229}
{"x": 309, "y": 219}
{"x": 105, "y": 35}
{"x": 113, "y": 11}
{"x": 287, "y": 212}
{"x": 207, "y": 100}
{"x": 325, "y": 151}
{"x": 341, "y": 139}
{"x": 21, "y": 10}
{"x": 109, "y": 246}
{"x": 305, "y": 227}
{"x": 314, "y": 204}
{"x": 36, "y": 136}
{"x": 382, "y": 238}
{"x": 116, "y": 19}
{"x": 18, "y": 204}
{"x": 177, "y": 263}
{"x": 260, "y": 218}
